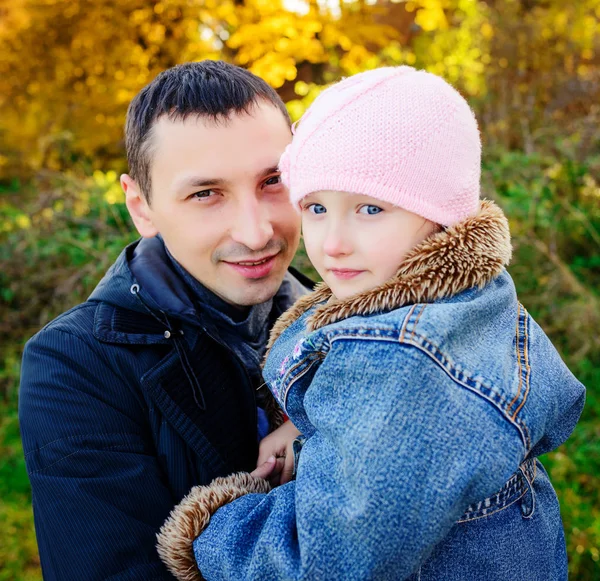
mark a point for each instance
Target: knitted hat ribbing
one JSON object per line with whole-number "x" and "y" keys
{"x": 397, "y": 134}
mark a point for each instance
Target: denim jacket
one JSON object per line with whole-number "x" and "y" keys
{"x": 424, "y": 404}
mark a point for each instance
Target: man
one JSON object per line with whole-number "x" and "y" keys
{"x": 150, "y": 386}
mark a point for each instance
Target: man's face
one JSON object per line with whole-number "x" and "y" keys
{"x": 218, "y": 201}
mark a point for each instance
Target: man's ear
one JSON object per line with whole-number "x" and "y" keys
{"x": 138, "y": 207}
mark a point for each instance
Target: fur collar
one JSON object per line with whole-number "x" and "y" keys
{"x": 468, "y": 254}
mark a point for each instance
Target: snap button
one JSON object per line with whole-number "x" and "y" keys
{"x": 528, "y": 500}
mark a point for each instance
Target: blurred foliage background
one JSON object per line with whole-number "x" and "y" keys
{"x": 68, "y": 69}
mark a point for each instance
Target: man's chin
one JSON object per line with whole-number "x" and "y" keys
{"x": 253, "y": 292}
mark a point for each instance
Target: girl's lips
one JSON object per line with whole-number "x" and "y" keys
{"x": 249, "y": 270}
{"x": 345, "y": 273}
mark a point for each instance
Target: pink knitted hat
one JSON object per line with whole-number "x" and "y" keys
{"x": 397, "y": 134}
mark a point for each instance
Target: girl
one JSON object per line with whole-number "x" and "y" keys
{"x": 423, "y": 389}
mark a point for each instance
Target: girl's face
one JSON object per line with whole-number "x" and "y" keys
{"x": 357, "y": 242}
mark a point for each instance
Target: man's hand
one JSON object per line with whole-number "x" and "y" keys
{"x": 275, "y": 452}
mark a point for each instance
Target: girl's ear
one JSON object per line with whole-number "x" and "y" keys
{"x": 139, "y": 207}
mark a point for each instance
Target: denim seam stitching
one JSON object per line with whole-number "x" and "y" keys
{"x": 297, "y": 376}
{"x": 406, "y": 320}
{"x": 522, "y": 354}
{"x": 525, "y": 359}
{"x": 470, "y": 519}
{"x": 414, "y": 329}
{"x": 315, "y": 355}
{"x": 293, "y": 374}
{"x": 434, "y": 352}
{"x": 518, "y": 354}
{"x": 521, "y": 474}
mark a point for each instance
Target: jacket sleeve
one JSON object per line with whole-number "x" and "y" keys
{"x": 397, "y": 456}
{"x": 98, "y": 494}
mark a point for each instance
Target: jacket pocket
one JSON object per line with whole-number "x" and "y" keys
{"x": 519, "y": 486}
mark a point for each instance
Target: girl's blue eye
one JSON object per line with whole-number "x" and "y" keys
{"x": 371, "y": 210}
{"x": 316, "y": 208}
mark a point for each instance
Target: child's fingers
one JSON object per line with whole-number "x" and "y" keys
{"x": 288, "y": 469}
{"x": 266, "y": 452}
{"x": 266, "y": 469}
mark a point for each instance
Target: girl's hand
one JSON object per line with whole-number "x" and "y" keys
{"x": 278, "y": 444}
{"x": 267, "y": 469}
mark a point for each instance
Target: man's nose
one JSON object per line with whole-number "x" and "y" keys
{"x": 252, "y": 226}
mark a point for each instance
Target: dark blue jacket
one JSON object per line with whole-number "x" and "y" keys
{"x": 127, "y": 401}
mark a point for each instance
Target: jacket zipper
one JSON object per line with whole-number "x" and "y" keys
{"x": 135, "y": 290}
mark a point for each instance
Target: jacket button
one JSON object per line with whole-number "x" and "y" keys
{"x": 167, "y": 334}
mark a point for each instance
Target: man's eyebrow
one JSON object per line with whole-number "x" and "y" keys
{"x": 268, "y": 171}
{"x": 188, "y": 182}
{"x": 198, "y": 182}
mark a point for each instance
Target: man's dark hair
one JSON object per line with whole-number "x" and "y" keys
{"x": 212, "y": 89}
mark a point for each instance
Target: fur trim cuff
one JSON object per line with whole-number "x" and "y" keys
{"x": 192, "y": 515}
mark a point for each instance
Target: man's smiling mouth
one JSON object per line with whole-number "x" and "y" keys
{"x": 254, "y": 269}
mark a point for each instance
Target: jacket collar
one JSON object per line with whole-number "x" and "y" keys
{"x": 143, "y": 287}
{"x": 468, "y": 254}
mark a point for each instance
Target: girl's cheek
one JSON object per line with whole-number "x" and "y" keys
{"x": 311, "y": 244}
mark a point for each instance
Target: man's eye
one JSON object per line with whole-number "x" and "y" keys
{"x": 316, "y": 209}
{"x": 203, "y": 194}
{"x": 273, "y": 181}
{"x": 369, "y": 209}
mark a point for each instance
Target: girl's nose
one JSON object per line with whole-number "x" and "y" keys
{"x": 337, "y": 242}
